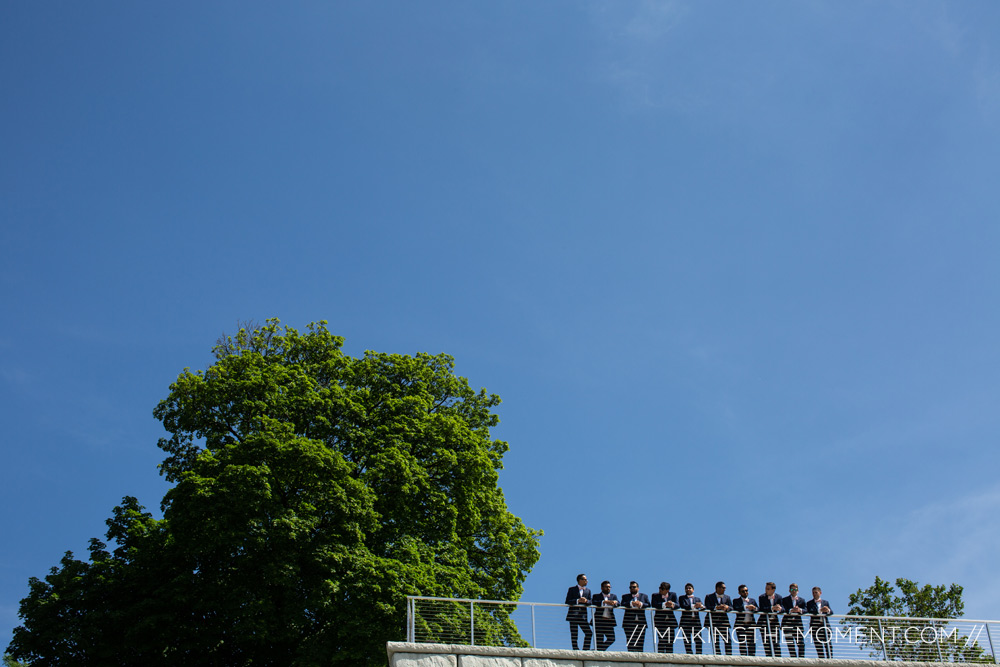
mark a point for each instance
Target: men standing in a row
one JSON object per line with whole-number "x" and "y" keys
{"x": 690, "y": 620}
{"x": 579, "y": 597}
{"x": 604, "y": 618}
{"x": 664, "y": 620}
{"x": 744, "y": 623}
{"x": 634, "y": 620}
{"x": 791, "y": 625}
{"x": 819, "y": 628}
{"x": 718, "y": 619}
{"x": 769, "y": 605}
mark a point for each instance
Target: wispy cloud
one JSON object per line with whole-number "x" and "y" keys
{"x": 955, "y": 39}
{"x": 987, "y": 77}
{"x": 8, "y": 617}
{"x": 16, "y": 376}
{"x": 653, "y": 20}
{"x": 948, "y": 420}
{"x": 634, "y": 59}
{"x": 953, "y": 538}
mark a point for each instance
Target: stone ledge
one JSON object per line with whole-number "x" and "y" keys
{"x": 404, "y": 654}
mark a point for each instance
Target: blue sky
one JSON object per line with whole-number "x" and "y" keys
{"x": 733, "y": 267}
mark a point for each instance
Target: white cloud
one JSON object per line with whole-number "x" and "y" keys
{"x": 951, "y": 538}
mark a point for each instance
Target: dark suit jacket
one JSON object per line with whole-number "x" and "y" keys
{"x": 764, "y": 607}
{"x": 689, "y": 615}
{"x": 664, "y": 618}
{"x": 719, "y": 618}
{"x": 813, "y": 608}
{"x": 578, "y": 612}
{"x": 788, "y": 602}
{"x": 634, "y": 617}
{"x": 598, "y": 601}
{"x": 744, "y": 618}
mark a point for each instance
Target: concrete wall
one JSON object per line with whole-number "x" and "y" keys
{"x": 402, "y": 654}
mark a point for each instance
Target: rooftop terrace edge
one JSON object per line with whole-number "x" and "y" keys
{"x": 605, "y": 657}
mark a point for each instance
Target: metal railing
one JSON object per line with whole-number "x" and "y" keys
{"x": 547, "y": 625}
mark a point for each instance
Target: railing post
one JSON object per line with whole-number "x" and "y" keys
{"x": 409, "y": 619}
{"x": 881, "y": 635}
{"x": 940, "y": 656}
{"x": 472, "y": 623}
{"x": 990, "y": 639}
{"x": 533, "y": 645}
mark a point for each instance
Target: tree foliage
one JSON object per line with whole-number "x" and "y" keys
{"x": 891, "y": 639}
{"x": 311, "y": 492}
{"x": 926, "y": 601}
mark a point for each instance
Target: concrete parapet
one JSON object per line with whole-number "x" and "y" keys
{"x": 403, "y": 654}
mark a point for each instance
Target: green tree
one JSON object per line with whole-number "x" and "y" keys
{"x": 311, "y": 492}
{"x": 925, "y": 638}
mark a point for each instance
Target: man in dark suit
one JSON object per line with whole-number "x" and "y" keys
{"x": 604, "y": 617}
{"x": 578, "y": 597}
{"x": 819, "y": 627}
{"x": 791, "y": 624}
{"x": 743, "y": 624}
{"x": 719, "y": 604}
{"x": 634, "y": 620}
{"x": 664, "y": 620}
{"x": 769, "y": 605}
{"x": 690, "y": 605}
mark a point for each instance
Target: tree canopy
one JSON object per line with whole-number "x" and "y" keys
{"x": 311, "y": 492}
{"x": 919, "y": 602}
{"x": 913, "y": 600}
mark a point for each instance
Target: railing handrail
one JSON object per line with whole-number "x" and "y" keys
{"x": 505, "y": 622}
{"x": 703, "y": 611}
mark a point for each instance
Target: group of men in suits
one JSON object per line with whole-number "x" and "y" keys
{"x": 775, "y": 617}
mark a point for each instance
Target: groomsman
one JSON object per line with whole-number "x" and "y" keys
{"x": 578, "y": 597}
{"x": 769, "y": 605}
{"x": 791, "y": 625}
{"x": 719, "y": 604}
{"x": 604, "y": 618}
{"x": 634, "y": 620}
{"x": 743, "y": 624}
{"x": 819, "y": 627}
{"x": 664, "y": 620}
{"x": 690, "y": 605}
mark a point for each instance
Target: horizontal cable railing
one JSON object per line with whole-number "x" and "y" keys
{"x": 549, "y": 625}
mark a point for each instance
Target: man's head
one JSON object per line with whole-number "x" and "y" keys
{"x": 742, "y": 590}
{"x": 633, "y": 587}
{"x": 817, "y": 592}
{"x": 688, "y": 589}
{"x": 605, "y": 586}
{"x": 770, "y": 587}
{"x": 793, "y": 589}
{"x": 664, "y": 587}
{"x": 720, "y": 587}
{"x": 581, "y": 580}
